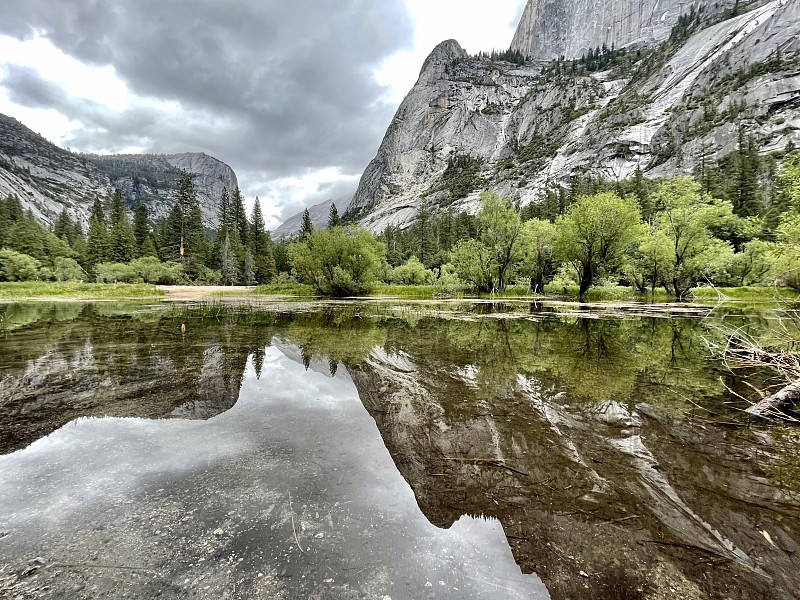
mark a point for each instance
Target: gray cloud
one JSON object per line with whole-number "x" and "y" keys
{"x": 274, "y": 88}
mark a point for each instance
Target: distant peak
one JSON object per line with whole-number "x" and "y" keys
{"x": 444, "y": 53}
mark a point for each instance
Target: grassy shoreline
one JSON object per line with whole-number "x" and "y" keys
{"x": 73, "y": 290}
{"x": 32, "y": 290}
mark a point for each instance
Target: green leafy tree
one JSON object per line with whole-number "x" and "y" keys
{"x": 171, "y": 235}
{"x": 16, "y": 266}
{"x": 97, "y": 243}
{"x": 339, "y": 261}
{"x": 499, "y": 225}
{"x": 68, "y": 269}
{"x": 650, "y": 261}
{"x": 249, "y": 268}
{"x": 472, "y": 261}
{"x": 687, "y": 217}
{"x": 413, "y": 272}
{"x": 538, "y": 252}
{"x": 787, "y": 254}
{"x": 193, "y": 248}
{"x": 594, "y": 234}
{"x": 238, "y": 215}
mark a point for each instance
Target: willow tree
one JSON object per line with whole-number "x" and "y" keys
{"x": 338, "y": 262}
{"x": 594, "y": 234}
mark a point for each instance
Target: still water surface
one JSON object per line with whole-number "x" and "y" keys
{"x": 373, "y": 451}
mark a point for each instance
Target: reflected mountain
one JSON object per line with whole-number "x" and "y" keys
{"x": 607, "y": 443}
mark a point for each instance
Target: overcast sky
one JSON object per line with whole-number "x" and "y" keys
{"x": 295, "y": 96}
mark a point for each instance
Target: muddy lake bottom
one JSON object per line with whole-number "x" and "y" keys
{"x": 390, "y": 450}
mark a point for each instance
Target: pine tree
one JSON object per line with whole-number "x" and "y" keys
{"x": 122, "y": 244}
{"x": 238, "y": 215}
{"x": 117, "y": 208}
{"x": 307, "y": 226}
{"x": 261, "y": 246}
{"x": 224, "y": 211}
{"x": 748, "y": 200}
{"x": 63, "y": 226}
{"x": 97, "y": 211}
{"x": 192, "y": 247}
{"x": 229, "y": 262}
{"x": 141, "y": 228}
{"x": 97, "y": 243}
{"x": 333, "y": 217}
{"x": 249, "y": 268}
{"x": 171, "y": 235}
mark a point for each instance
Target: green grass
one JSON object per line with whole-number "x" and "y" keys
{"x": 745, "y": 293}
{"x": 74, "y": 289}
{"x": 415, "y": 292}
{"x": 285, "y": 289}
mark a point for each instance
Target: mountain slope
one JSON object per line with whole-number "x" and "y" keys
{"x": 319, "y": 214}
{"x": 48, "y": 179}
{"x": 472, "y": 123}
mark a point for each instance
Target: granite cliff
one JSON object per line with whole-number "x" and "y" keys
{"x": 685, "y": 86}
{"x": 552, "y": 28}
{"x": 48, "y": 179}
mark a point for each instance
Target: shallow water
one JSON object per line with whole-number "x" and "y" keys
{"x": 467, "y": 450}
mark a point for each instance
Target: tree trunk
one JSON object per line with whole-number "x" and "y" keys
{"x": 586, "y": 280}
{"x": 772, "y": 406}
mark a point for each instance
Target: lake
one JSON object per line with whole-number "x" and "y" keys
{"x": 389, "y": 450}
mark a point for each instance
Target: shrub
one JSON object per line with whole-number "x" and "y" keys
{"x": 67, "y": 269}
{"x": 115, "y": 273}
{"x": 15, "y": 266}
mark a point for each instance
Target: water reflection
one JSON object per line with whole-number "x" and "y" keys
{"x": 603, "y": 440}
{"x": 290, "y": 493}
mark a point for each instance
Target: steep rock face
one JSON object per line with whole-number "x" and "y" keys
{"x": 529, "y": 129}
{"x": 552, "y": 28}
{"x": 459, "y": 106}
{"x": 44, "y": 177}
{"x": 48, "y": 179}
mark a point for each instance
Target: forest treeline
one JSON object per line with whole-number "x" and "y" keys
{"x": 735, "y": 223}
{"x": 118, "y": 248}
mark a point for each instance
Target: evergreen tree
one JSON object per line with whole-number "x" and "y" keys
{"x": 118, "y": 211}
{"x": 333, "y": 217}
{"x": 748, "y": 199}
{"x": 97, "y": 211}
{"x": 307, "y": 226}
{"x": 62, "y": 228}
{"x": 171, "y": 235}
{"x": 238, "y": 215}
{"x": 229, "y": 262}
{"x": 261, "y": 246}
{"x": 141, "y": 228}
{"x": 97, "y": 242}
{"x": 122, "y": 244}
{"x": 224, "y": 212}
{"x": 249, "y": 268}
{"x": 192, "y": 249}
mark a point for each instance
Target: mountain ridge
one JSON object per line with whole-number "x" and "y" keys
{"x": 472, "y": 123}
{"x": 48, "y": 179}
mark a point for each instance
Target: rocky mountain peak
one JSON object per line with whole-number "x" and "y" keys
{"x": 443, "y": 54}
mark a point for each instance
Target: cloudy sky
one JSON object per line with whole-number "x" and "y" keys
{"x": 295, "y": 96}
